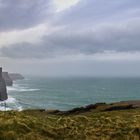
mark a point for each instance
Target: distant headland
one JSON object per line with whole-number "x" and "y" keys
{"x": 10, "y": 77}
{"x": 16, "y": 76}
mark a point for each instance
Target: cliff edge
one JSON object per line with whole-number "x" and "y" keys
{"x": 100, "y": 121}
{"x": 8, "y": 80}
{"x": 3, "y": 90}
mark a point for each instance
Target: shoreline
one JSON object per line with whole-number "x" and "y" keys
{"x": 98, "y": 107}
{"x": 102, "y": 121}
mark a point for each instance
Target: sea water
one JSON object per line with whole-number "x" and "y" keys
{"x": 67, "y": 93}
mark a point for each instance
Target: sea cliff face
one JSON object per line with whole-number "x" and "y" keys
{"x": 10, "y": 77}
{"x": 8, "y": 80}
{"x": 3, "y": 90}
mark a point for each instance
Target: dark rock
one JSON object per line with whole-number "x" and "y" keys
{"x": 135, "y": 103}
{"x": 3, "y": 90}
{"x": 52, "y": 111}
{"x": 96, "y": 107}
{"x": 8, "y": 80}
{"x": 119, "y": 107}
{"x": 78, "y": 109}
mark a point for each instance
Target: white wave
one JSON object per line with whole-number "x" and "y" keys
{"x": 10, "y": 100}
{"x": 10, "y": 104}
{"x": 2, "y": 108}
{"x": 19, "y": 88}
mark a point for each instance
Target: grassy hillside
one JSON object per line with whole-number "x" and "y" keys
{"x": 89, "y": 125}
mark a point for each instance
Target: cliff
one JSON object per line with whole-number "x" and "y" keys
{"x": 3, "y": 90}
{"x": 16, "y": 76}
{"x": 8, "y": 80}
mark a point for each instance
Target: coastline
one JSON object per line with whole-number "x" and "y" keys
{"x": 61, "y": 94}
{"x": 96, "y": 121}
{"x": 122, "y": 105}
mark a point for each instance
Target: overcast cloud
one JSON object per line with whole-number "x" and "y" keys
{"x": 21, "y": 14}
{"x": 47, "y": 30}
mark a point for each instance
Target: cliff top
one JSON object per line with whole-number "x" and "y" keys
{"x": 92, "y": 124}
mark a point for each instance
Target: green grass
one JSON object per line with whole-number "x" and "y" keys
{"x": 93, "y": 125}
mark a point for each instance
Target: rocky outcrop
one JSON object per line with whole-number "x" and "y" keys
{"x": 100, "y": 107}
{"x": 3, "y": 90}
{"x": 120, "y": 107}
{"x": 8, "y": 80}
{"x": 16, "y": 76}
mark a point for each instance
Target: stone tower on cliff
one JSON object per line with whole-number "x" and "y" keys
{"x": 3, "y": 90}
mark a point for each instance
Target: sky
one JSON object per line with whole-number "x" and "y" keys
{"x": 70, "y": 37}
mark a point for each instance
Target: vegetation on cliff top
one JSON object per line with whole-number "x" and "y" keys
{"x": 89, "y": 125}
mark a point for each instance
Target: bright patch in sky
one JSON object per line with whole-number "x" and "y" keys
{"x": 64, "y": 4}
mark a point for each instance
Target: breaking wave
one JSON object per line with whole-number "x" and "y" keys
{"x": 10, "y": 104}
{"x": 21, "y": 88}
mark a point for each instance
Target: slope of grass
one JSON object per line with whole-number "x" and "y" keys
{"x": 92, "y": 125}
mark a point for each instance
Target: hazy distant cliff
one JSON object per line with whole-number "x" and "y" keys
{"x": 8, "y": 80}
{"x": 16, "y": 76}
{"x": 3, "y": 91}
{"x": 10, "y": 77}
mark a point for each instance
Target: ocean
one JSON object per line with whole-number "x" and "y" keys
{"x": 67, "y": 93}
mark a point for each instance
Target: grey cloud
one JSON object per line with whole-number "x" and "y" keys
{"x": 91, "y": 27}
{"x": 120, "y": 37}
{"x": 94, "y": 11}
{"x": 20, "y": 14}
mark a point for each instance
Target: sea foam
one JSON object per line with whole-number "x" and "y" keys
{"x": 20, "y": 88}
